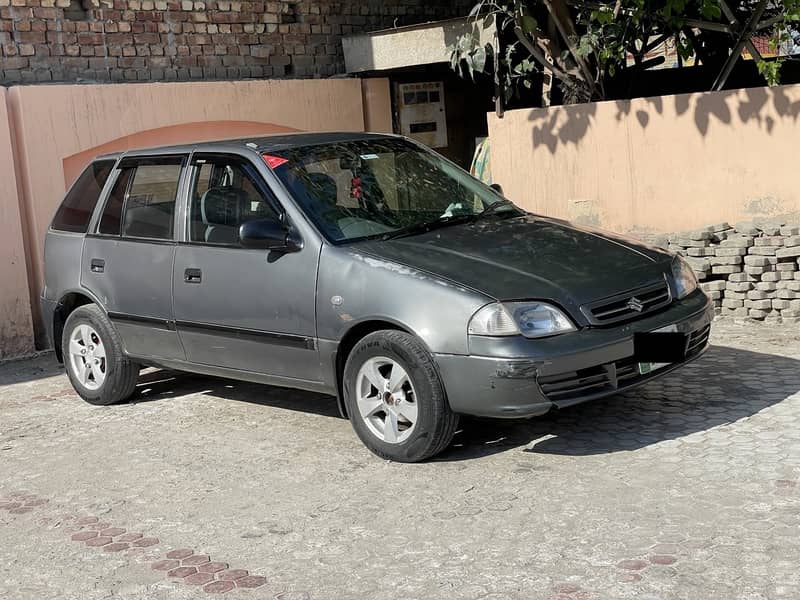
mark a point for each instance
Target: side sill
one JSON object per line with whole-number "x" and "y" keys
{"x": 238, "y": 374}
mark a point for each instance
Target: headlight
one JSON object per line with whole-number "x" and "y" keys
{"x": 684, "y": 278}
{"x": 531, "y": 319}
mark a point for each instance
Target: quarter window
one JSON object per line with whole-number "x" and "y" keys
{"x": 78, "y": 205}
{"x": 142, "y": 202}
{"x": 225, "y": 192}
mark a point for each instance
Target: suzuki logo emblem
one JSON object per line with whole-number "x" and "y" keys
{"x": 635, "y": 304}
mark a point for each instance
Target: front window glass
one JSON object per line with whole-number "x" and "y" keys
{"x": 372, "y": 188}
{"x": 224, "y": 194}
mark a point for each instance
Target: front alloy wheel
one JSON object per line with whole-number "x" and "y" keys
{"x": 395, "y": 399}
{"x": 386, "y": 399}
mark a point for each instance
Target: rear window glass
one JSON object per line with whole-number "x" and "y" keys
{"x": 76, "y": 209}
{"x": 142, "y": 202}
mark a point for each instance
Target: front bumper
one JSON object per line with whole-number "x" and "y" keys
{"x": 518, "y": 377}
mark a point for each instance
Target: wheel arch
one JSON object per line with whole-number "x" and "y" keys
{"x": 67, "y": 304}
{"x": 349, "y": 340}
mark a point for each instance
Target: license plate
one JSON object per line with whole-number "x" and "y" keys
{"x": 649, "y": 367}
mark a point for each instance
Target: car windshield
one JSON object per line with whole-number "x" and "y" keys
{"x": 382, "y": 187}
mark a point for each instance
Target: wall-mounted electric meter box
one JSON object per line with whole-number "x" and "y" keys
{"x": 421, "y": 112}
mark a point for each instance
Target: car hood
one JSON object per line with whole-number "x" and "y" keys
{"x": 528, "y": 257}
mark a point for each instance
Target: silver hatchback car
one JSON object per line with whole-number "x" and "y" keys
{"x": 360, "y": 265}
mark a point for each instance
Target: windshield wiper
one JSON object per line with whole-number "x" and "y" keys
{"x": 426, "y": 226}
{"x": 492, "y": 208}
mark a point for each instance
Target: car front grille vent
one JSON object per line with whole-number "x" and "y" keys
{"x": 611, "y": 376}
{"x": 628, "y": 306}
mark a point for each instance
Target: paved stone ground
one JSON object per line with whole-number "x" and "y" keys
{"x": 688, "y": 487}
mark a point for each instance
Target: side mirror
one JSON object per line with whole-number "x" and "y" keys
{"x": 497, "y": 188}
{"x": 268, "y": 234}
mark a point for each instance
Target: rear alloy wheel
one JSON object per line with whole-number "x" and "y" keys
{"x": 87, "y": 357}
{"x": 394, "y": 398}
{"x": 96, "y": 364}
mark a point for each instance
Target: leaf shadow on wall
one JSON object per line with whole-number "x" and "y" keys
{"x": 565, "y": 125}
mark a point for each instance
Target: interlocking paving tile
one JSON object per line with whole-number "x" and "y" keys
{"x": 231, "y": 574}
{"x": 199, "y": 579}
{"x": 662, "y": 559}
{"x": 166, "y": 565}
{"x": 98, "y": 541}
{"x": 251, "y": 581}
{"x": 182, "y": 572}
{"x": 212, "y": 567}
{"x": 701, "y": 466}
{"x": 632, "y": 565}
{"x": 219, "y": 587}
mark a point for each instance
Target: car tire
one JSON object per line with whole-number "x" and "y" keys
{"x": 395, "y": 399}
{"x": 94, "y": 360}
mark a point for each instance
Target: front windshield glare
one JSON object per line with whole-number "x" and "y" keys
{"x": 370, "y": 188}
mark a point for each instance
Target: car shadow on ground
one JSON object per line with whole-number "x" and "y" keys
{"x": 160, "y": 384}
{"x": 722, "y": 387}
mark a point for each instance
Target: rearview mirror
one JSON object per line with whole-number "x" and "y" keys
{"x": 268, "y": 234}
{"x": 497, "y": 188}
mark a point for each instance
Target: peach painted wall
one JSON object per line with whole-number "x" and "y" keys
{"x": 377, "y": 96}
{"x": 16, "y": 332}
{"x": 165, "y": 136}
{"x": 661, "y": 164}
{"x": 56, "y": 123}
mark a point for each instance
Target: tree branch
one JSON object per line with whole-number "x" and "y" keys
{"x": 537, "y": 54}
{"x": 560, "y": 13}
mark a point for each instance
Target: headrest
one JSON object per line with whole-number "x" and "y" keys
{"x": 222, "y": 206}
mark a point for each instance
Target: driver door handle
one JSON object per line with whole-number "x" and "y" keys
{"x": 192, "y": 276}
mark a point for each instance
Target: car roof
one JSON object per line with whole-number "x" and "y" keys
{"x": 267, "y": 143}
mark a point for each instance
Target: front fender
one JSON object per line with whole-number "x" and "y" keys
{"x": 354, "y": 287}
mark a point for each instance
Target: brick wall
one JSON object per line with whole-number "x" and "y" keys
{"x": 159, "y": 40}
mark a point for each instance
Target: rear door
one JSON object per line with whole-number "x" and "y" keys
{"x": 244, "y": 309}
{"x": 128, "y": 259}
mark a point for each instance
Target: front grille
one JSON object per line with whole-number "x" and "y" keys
{"x": 609, "y": 377}
{"x": 628, "y": 306}
{"x": 583, "y": 382}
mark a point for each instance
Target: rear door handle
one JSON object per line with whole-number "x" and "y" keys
{"x": 192, "y": 275}
{"x": 98, "y": 265}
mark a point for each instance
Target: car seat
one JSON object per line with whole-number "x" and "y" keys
{"x": 221, "y": 212}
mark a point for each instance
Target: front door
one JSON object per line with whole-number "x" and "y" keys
{"x": 244, "y": 309}
{"x": 127, "y": 262}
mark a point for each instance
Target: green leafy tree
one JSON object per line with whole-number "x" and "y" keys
{"x": 584, "y": 44}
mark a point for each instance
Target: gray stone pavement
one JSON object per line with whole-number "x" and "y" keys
{"x": 688, "y": 487}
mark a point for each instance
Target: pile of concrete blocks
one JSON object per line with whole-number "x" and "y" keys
{"x": 749, "y": 270}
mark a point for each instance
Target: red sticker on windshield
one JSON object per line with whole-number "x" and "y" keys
{"x": 273, "y": 162}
